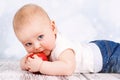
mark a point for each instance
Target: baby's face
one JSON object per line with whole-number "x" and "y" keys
{"x": 38, "y": 36}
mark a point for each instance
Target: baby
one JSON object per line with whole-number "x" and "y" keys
{"x": 38, "y": 33}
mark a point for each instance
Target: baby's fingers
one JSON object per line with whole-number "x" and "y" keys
{"x": 30, "y": 70}
{"x": 35, "y": 57}
{"x": 28, "y": 62}
{"x": 29, "y": 59}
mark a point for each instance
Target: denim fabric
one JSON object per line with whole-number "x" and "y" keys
{"x": 111, "y": 55}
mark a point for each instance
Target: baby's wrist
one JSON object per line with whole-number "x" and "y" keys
{"x": 40, "y": 66}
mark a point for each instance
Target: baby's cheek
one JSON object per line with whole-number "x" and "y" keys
{"x": 48, "y": 44}
{"x": 29, "y": 50}
{"x": 49, "y": 47}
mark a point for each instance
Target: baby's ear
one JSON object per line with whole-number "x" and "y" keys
{"x": 53, "y": 26}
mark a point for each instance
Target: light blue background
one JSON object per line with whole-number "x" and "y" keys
{"x": 79, "y": 20}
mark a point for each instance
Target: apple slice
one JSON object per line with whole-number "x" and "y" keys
{"x": 41, "y": 55}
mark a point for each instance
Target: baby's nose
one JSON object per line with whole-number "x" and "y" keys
{"x": 37, "y": 46}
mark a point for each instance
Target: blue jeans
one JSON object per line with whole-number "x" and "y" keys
{"x": 111, "y": 55}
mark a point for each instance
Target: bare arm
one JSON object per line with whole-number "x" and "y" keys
{"x": 65, "y": 65}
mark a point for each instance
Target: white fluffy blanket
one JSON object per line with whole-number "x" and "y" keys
{"x": 10, "y": 70}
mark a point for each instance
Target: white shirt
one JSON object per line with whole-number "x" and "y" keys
{"x": 85, "y": 55}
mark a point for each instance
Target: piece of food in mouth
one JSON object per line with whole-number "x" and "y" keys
{"x": 41, "y": 55}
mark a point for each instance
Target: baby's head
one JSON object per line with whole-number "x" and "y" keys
{"x": 34, "y": 28}
{"x": 28, "y": 15}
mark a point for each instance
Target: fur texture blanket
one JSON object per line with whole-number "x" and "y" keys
{"x": 10, "y": 70}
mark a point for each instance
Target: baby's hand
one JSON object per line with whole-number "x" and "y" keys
{"x": 34, "y": 63}
{"x": 23, "y": 63}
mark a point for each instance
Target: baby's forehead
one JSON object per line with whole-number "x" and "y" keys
{"x": 31, "y": 10}
{"x": 29, "y": 13}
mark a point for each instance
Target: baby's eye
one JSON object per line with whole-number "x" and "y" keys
{"x": 28, "y": 44}
{"x": 40, "y": 37}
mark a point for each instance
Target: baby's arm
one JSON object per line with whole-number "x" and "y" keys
{"x": 65, "y": 65}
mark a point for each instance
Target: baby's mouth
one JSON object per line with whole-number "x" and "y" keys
{"x": 38, "y": 52}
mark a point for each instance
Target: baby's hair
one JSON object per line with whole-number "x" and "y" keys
{"x": 25, "y": 14}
